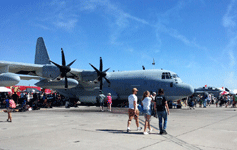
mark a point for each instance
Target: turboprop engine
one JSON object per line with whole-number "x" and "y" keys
{"x": 57, "y": 84}
{"x": 9, "y": 79}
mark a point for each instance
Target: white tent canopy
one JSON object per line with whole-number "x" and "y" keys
{"x": 235, "y": 91}
{"x": 4, "y": 89}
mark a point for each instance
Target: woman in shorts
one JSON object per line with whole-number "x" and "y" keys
{"x": 146, "y": 102}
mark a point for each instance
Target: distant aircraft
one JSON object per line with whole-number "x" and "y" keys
{"x": 212, "y": 90}
{"x": 85, "y": 84}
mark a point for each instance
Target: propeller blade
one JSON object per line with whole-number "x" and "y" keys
{"x": 66, "y": 83}
{"x": 101, "y": 74}
{"x": 71, "y": 63}
{"x": 106, "y": 70}
{"x": 73, "y": 74}
{"x": 98, "y": 72}
{"x": 63, "y": 58}
{"x": 101, "y": 65}
{"x": 101, "y": 84}
{"x": 107, "y": 80}
{"x": 56, "y": 64}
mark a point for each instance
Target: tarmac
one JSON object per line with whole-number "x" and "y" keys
{"x": 86, "y": 127}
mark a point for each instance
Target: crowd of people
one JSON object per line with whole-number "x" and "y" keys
{"x": 151, "y": 105}
{"x": 205, "y": 99}
{"x": 34, "y": 101}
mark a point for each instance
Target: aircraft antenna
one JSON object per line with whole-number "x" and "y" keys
{"x": 153, "y": 63}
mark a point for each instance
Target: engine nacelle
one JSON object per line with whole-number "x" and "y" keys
{"x": 57, "y": 84}
{"x": 49, "y": 72}
{"x": 9, "y": 79}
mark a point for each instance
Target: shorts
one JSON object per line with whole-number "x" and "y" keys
{"x": 131, "y": 114}
{"x": 109, "y": 102}
{"x": 101, "y": 104}
{"x": 9, "y": 109}
{"x": 147, "y": 112}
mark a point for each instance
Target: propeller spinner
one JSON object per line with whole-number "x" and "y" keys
{"x": 101, "y": 74}
{"x": 64, "y": 69}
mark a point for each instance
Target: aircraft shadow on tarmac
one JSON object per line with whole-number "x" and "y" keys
{"x": 79, "y": 110}
{"x": 120, "y": 131}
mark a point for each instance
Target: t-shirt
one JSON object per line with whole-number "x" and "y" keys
{"x": 160, "y": 103}
{"x": 131, "y": 99}
{"x": 109, "y": 99}
{"x": 147, "y": 103}
{"x": 101, "y": 98}
{"x": 7, "y": 103}
{"x": 15, "y": 96}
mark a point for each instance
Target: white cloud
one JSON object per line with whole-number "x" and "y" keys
{"x": 230, "y": 16}
{"x": 232, "y": 58}
{"x": 229, "y": 22}
{"x": 66, "y": 24}
{"x": 230, "y": 80}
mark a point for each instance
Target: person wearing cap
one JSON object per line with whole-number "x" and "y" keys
{"x": 133, "y": 111}
{"x": 101, "y": 99}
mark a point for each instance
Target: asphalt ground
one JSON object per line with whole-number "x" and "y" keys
{"x": 87, "y": 128}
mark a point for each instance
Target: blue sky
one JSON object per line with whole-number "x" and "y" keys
{"x": 197, "y": 39}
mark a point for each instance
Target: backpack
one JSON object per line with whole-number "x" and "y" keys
{"x": 159, "y": 100}
{"x": 12, "y": 103}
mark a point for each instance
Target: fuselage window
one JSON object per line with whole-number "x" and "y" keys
{"x": 166, "y": 75}
{"x": 175, "y": 76}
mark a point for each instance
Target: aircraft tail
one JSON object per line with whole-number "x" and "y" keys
{"x": 41, "y": 54}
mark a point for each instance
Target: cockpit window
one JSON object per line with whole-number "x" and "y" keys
{"x": 166, "y": 75}
{"x": 175, "y": 76}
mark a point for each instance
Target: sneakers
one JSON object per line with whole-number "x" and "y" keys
{"x": 161, "y": 132}
{"x": 145, "y": 133}
{"x": 128, "y": 130}
{"x": 164, "y": 132}
{"x": 150, "y": 130}
{"x": 139, "y": 128}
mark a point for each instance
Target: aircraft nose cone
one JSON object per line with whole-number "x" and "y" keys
{"x": 190, "y": 90}
{"x": 187, "y": 89}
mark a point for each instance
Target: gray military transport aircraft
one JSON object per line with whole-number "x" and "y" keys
{"x": 85, "y": 84}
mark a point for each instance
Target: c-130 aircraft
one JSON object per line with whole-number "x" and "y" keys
{"x": 86, "y": 84}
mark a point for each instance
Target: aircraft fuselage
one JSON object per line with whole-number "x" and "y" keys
{"x": 123, "y": 82}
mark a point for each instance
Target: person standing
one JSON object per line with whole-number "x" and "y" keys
{"x": 15, "y": 97}
{"x": 9, "y": 109}
{"x": 205, "y": 97}
{"x": 101, "y": 99}
{"x": 162, "y": 110}
{"x": 146, "y": 102}
{"x": 109, "y": 101}
{"x": 133, "y": 111}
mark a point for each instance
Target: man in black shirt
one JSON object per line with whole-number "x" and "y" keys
{"x": 15, "y": 97}
{"x": 162, "y": 110}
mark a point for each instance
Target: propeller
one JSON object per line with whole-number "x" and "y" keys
{"x": 101, "y": 74}
{"x": 64, "y": 69}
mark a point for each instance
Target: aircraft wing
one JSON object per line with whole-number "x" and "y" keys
{"x": 19, "y": 68}
{"x": 36, "y": 70}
